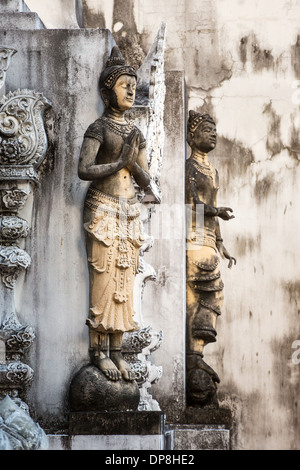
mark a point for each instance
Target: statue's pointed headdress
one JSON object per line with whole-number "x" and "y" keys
{"x": 195, "y": 119}
{"x": 114, "y": 68}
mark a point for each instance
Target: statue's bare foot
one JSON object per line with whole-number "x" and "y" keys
{"x": 122, "y": 365}
{"x": 106, "y": 365}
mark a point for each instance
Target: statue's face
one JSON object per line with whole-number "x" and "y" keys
{"x": 124, "y": 92}
{"x": 205, "y": 137}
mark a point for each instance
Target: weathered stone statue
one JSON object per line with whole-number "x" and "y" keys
{"x": 204, "y": 242}
{"x": 112, "y": 155}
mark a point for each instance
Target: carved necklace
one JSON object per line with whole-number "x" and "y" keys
{"x": 118, "y": 128}
{"x": 207, "y": 170}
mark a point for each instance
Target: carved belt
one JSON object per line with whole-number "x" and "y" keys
{"x": 98, "y": 202}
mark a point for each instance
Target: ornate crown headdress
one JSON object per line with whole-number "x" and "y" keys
{"x": 114, "y": 68}
{"x": 195, "y": 119}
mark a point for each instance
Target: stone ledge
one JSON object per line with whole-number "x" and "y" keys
{"x": 217, "y": 416}
{"x": 116, "y": 423}
{"x": 106, "y": 442}
{"x": 13, "y": 6}
{"x": 21, "y": 20}
{"x": 197, "y": 437}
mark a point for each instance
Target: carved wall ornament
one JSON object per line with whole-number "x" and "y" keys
{"x": 13, "y": 228}
{"x": 23, "y": 146}
{"x": 19, "y": 373}
{"x": 13, "y": 199}
{"x": 11, "y": 322}
{"x": 21, "y": 340}
{"x": 5, "y": 55}
{"x": 13, "y": 256}
{"x": 18, "y": 173}
{"x": 23, "y": 138}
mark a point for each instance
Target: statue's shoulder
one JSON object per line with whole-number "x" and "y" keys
{"x": 189, "y": 166}
{"x": 95, "y": 130}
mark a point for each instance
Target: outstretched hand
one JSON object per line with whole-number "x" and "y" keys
{"x": 223, "y": 213}
{"x": 225, "y": 255}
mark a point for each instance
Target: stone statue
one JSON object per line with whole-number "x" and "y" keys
{"x": 113, "y": 157}
{"x": 204, "y": 242}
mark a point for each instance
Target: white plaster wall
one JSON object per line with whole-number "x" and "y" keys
{"x": 241, "y": 64}
{"x": 55, "y": 14}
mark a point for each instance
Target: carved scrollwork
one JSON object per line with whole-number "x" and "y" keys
{"x": 13, "y": 199}
{"x": 22, "y": 135}
{"x": 12, "y": 260}
{"x": 19, "y": 373}
{"x": 135, "y": 342}
{"x": 13, "y": 227}
{"x": 141, "y": 371}
{"x": 24, "y": 172}
{"x": 21, "y": 340}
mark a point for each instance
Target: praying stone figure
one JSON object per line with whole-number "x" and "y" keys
{"x": 204, "y": 242}
{"x": 113, "y": 157}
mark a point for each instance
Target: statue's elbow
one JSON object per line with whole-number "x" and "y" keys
{"x": 82, "y": 174}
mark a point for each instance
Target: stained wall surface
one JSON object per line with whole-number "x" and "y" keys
{"x": 241, "y": 63}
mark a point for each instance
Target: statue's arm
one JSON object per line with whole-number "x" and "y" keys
{"x": 221, "y": 248}
{"x": 87, "y": 170}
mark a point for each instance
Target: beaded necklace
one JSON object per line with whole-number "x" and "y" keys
{"x": 208, "y": 170}
{"x": 118, "y": 128}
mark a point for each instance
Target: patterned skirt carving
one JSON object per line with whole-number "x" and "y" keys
{"x": 205, "y": 289}
{"x": 113, "y": 238}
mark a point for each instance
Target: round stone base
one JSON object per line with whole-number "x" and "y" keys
{"x": 90, "y": 390}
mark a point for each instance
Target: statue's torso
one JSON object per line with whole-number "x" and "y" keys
{"x": 206, "y": 181}
{"x": 111, "y": 136}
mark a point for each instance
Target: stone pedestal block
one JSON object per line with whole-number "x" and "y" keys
{"x": 117, "y": 423}
{"x": 208, "y": 416}
{"x": 202, "y": 429}
{"x": 141, "y": 430}
{"x": 198, "y": 437}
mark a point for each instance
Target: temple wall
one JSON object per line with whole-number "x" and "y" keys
{"x": 53, "y": 295}
{"x": 241, "y": 63}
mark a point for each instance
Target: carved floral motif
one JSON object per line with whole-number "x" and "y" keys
{"x": 19, "y": 373}
{"x": 13, "y": 227}
{"x": 13, "y": 199}
{"x": 12, "y": 260}
{"x": 22, "y": 135}
{"x": 21, "y": 340}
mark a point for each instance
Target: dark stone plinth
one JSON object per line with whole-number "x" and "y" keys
{"x": 90, "y": 390}
{"x": 217, "y": 416}
{"x": 118, "y": 423}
